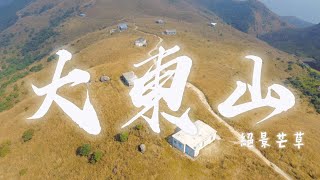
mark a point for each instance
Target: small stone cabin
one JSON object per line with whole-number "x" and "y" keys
{"x": 170, "y": 32}
{"x": 160, "y": 21}
{"x": 192, "y": 144}
{"x": 128, "y": 78}
{"x": 122, "y": 26}
{"x": 141, "y": 42}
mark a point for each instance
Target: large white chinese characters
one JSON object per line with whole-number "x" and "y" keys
{"x": 149, "y": 90}
{"x": 87, "y": 118}
{"x": 285, "y": 101}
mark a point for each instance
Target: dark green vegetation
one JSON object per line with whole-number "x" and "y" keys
{"x": 314, "y": 64}
{"x": 9, "y": 100}
{"x": 36, "y": 68}
{"x": 27, "y": 135}
{"x": 5, "y": 40}
{"x": 84, "y": 150}
{"x": 39, "y": 11}
{"x": 5, "y": 148}
{"x": 44, "y": 35}
{"x": 123, "y": 137}
{"x": 52, "y": 57}
{"x": 16, "y": 63}
{"x": 95, "y": 157}
{"x": 302, "y": 42}
{"x": 8, "y": 13}
{"x": 309, "y": 85}
{"x": 23, "y": 172}
{"x": 139, "y": 127}
{"x": 39, "y": 38}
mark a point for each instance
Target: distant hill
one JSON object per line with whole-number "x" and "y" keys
{"x": 302, "y": 42}
{"x": 8, "y": 10}
{"x": 296, "y": 22}
{"x": 250, "y": 16}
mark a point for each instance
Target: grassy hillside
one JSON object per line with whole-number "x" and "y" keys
{"x": 47, "y": 148}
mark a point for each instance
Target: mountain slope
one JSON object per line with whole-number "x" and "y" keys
{"x": 250, "y": 16}
{"x": 8, "y": 12}
{"x": 302, "y": 42}
{"x": 296, "y": 22}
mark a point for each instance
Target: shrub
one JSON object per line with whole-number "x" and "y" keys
{"x": 308, "y": 85}
{"x": 52, "y": 57}
{"x": 84, "y": 150}
{"x": 23, "y": 172}
{"x": 95, "y": 157}
{"x": 36, "y": 68}
{"x": 139, "y": 127}
{"x": 5, "y": 148}
{"x": 123, "y": 137}
{"x": 27, "y": 135}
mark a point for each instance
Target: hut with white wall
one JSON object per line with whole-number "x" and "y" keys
{"x": 192, "y": 144}
{"x": 128, "y": 78}
{"x": 140, "y": 42}
{"x": 170, "y": 32}
{"x": 122, "y": 26}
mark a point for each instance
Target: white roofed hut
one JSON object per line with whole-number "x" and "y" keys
{"x": 141, "y": 42}
{"x": 104, "y": 78}
{"x": 192, "y": 144}
{"x": 160, "y": 21}
{"x": 82, "y": 15}
{"x": 128, "y": 78}
{"x": 122, "y": 26}
{"x": 170, "y": 32}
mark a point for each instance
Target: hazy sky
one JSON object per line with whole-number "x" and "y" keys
{"x": 5, "y": 2}
{"x": 308, "y": 10}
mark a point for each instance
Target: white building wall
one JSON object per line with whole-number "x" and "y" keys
{"x": 179, "y": 145}
{"x": 204, "y": 144}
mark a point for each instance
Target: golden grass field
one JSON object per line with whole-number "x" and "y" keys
{"x": 218, "y": 61}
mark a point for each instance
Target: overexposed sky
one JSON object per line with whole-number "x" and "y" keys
{"x": 308, "y": 10}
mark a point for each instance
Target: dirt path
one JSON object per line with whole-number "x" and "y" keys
{"x": 234, "y": 132}
{"x": 204, "y": 101}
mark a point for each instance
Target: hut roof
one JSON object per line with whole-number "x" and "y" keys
{"x": 140, "y": 40}
{"x": 171, "y": 30}
{"x": 123, "y": 26}
{"x": 193, "y": 141}
{"x": 129, "y": 75}
{"x": 159, "y": 21}
{"x": 104, "y": 78}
